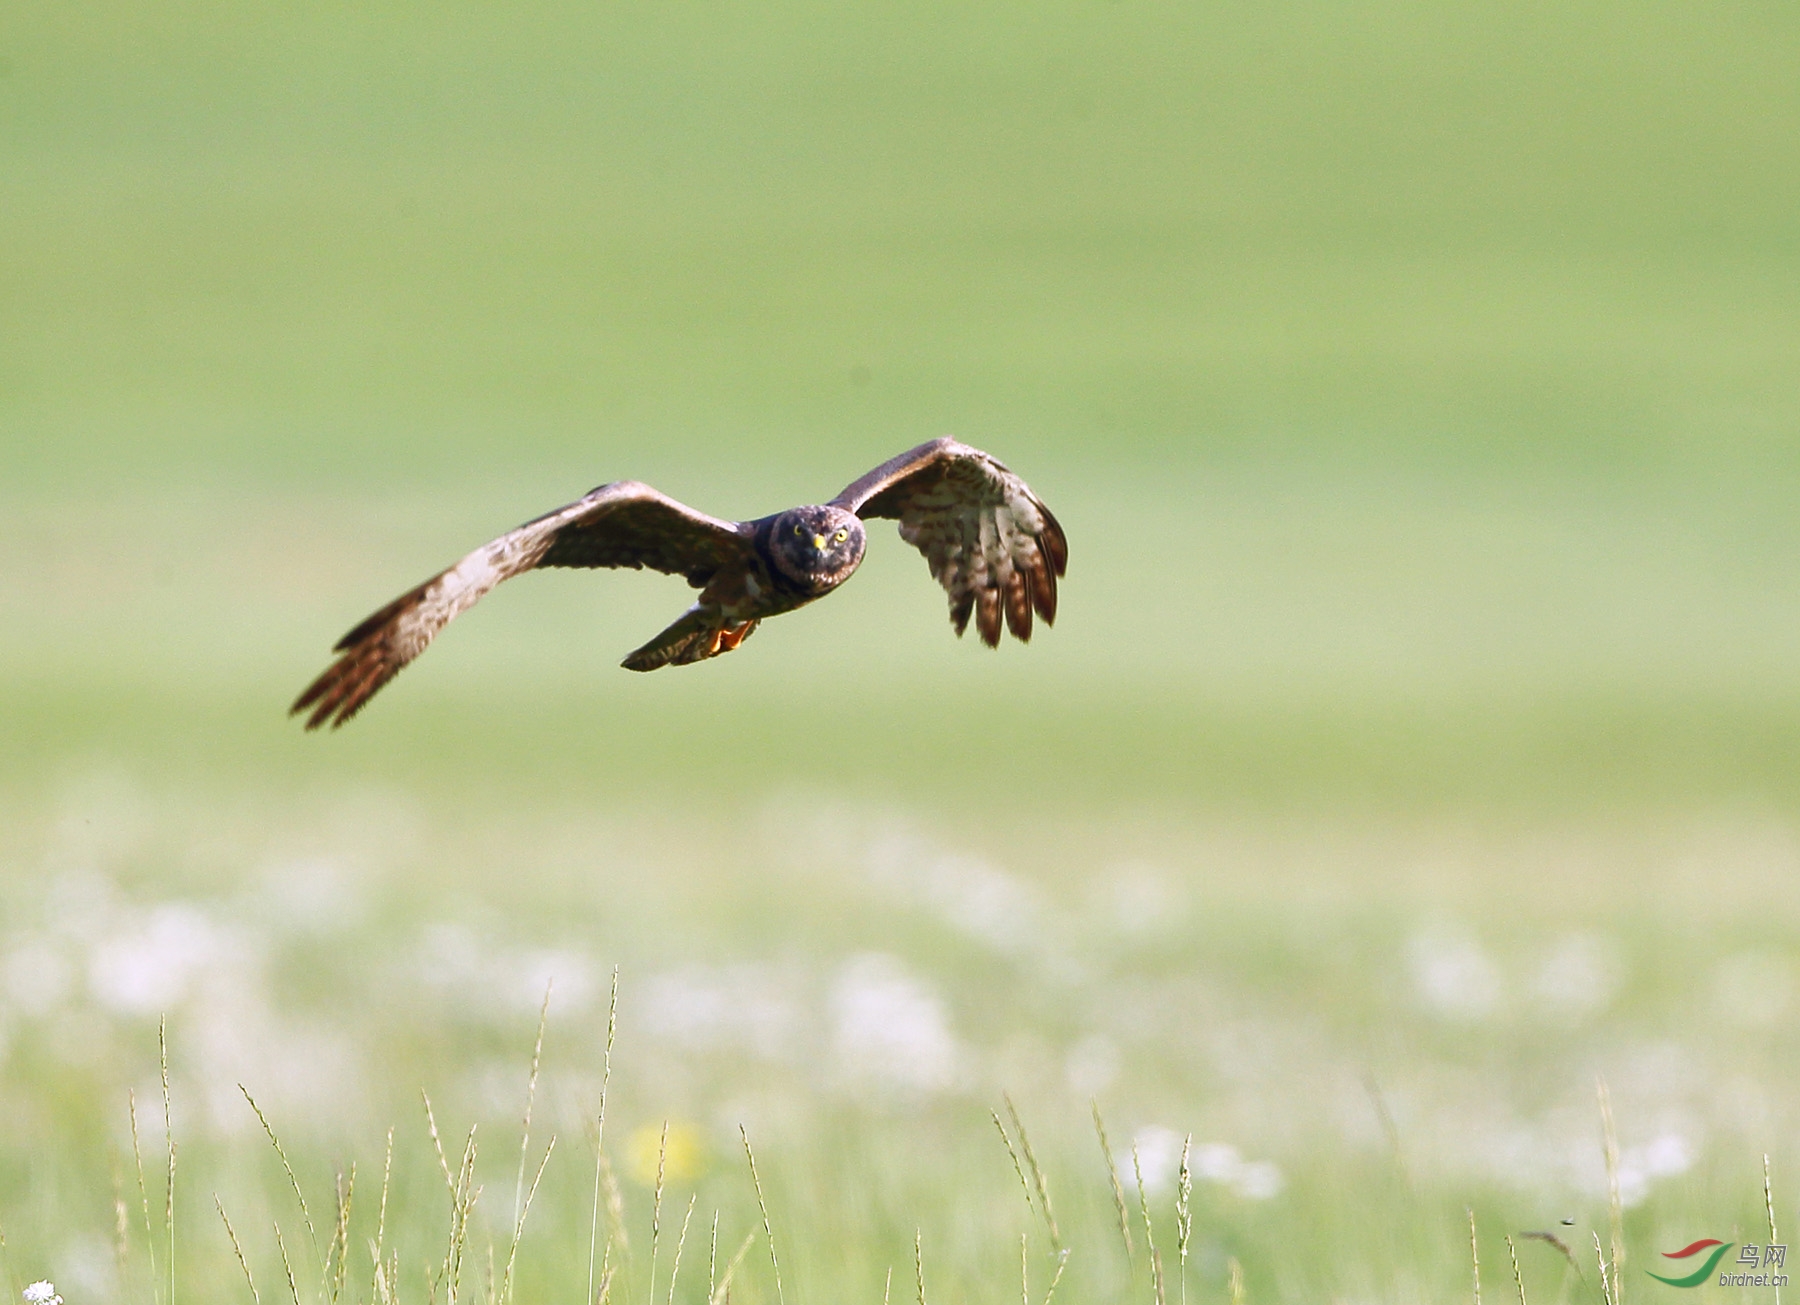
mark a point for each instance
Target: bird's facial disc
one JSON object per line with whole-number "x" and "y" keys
{"x": 820, "y": 544}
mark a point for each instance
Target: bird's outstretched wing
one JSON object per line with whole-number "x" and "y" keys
{"x": 624, "y": 524}
{"x": 988, "y": 539}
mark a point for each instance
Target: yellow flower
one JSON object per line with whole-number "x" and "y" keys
{"x": 682, "y": 1157}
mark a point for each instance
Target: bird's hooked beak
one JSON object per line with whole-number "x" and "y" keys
{"x": 819, "y": 542}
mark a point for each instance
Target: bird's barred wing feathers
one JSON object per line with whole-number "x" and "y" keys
{"x": 624, "y": 524}
{"x": 990, "y": 541}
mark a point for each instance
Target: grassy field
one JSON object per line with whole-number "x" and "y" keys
{"x": 1419, "y": 742}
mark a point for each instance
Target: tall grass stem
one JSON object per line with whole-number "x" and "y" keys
{"x": 1156, "y": 1277}
{"x": 162, "y": 1040}
{"x": 612, "y": 1030}
{"x": 288, "y": 1168}
{"x": 137, "y": 1154}
{"x": 763, "y": 1205}
{"x": 1474, "y": 1252}
{"x": 1615, "y": 1208}
{"x": 1118, "y": 1189}
{"x": 680, "y": 1242}
{"x": 1518, "y": 1278}
{"x": 237, "y": 1249}
{"x": 1769, "y": 1206}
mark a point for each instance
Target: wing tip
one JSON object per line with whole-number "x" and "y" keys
{"x": 345, "y": 687}
{"x": 987, "y": 616}
{"x": 1053, "y": 543}
{"x": 961, "y": 608}
{"x": 1019, "y": 604}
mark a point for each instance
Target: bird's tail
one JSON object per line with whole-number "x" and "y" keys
{"x": 695, "y": 637}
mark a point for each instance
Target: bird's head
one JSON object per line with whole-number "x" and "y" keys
{"x": 817, "y": 547}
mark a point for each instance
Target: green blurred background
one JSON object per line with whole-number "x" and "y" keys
{"x": 1418, "y": 386}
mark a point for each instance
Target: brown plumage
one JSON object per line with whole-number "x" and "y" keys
{"x": 990, "y": 542}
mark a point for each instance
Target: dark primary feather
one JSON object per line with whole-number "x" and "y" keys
{"x": 624, "y": 524}
{"x": 990, "y": 541}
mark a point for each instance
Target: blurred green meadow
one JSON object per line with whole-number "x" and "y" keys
{"x": 1419, "y": 741}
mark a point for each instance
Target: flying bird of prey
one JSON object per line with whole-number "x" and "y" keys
{"x": 987, "y": 538}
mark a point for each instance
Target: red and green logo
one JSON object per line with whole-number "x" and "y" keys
{"x": 1704, "y": 1272}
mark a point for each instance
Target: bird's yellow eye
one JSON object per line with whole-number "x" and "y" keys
{"x": 798, "y": 532}
{"x": 841, "y": 536}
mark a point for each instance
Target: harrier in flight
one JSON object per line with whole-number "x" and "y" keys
{"x": 987, "y": 538}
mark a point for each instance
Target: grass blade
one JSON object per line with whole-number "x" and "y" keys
{"x": 1184, "y": 1212}
{"x": 681, "y": 1241}
{"x": 612, "y": 1030}
{"x": 1156, "y": 1278}
{"x": 763, "y": 1205}
{"x": 1518, "y": 1278}
{"x": 537, "y": 1052}
{"x": 1118, "y": 1190}
{"x": 288, "y": 1169}
{"x": 1614, "y": 1207}
{"x": 662, "y": 1159}
{"x": 1769, "y": 1205}
{"x": 1041, "y": 1183}
{"x": 724, "y": 1288}
{"x": 137, "y": 1154}
{"x": 239, "y": 1250}
{"x": 162, "y": 1039}
{"x": 1474, "y": 1252}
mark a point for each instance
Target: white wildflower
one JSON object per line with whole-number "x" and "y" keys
{"x": 42, "y": 1293}
{"x": 892, "y": 1028}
